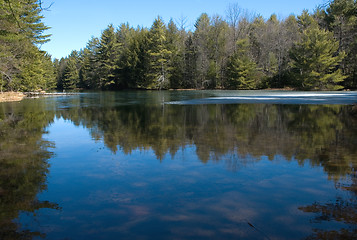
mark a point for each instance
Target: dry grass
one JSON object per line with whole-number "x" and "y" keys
{"x": 11, "y": 96}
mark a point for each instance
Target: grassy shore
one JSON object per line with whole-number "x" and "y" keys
{"x": 11, "y": 96}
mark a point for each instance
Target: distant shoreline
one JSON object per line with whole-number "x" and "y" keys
{"x": 18, "y": 96}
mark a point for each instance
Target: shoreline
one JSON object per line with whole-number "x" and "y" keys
{"x": 18, "y": 96}
{"x": 11, "y": 96}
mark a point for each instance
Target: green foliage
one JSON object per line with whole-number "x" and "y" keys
{"x": 22, "y": 65}
{"x": 294, "y": 52}
{"x": 107, "y": 58}
{"x": 190, "y": 66}
{"x": 70, "y": 75}
{"x": 175, "y": 42}
{"x": 159, "y": 55}
{"x": 201, "y": 42}
{"x": 340, "y": 17}
{"x": 241, "y": 69}
{"x": 88, "y": 74}
{"x": 316, "y": 58}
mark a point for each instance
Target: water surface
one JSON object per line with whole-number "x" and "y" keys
{"x": 179, "y": 165}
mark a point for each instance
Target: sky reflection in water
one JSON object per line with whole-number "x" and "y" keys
{"x": 143, "y": 170}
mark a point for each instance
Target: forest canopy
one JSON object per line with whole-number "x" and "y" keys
{"x": 312, "y": 51}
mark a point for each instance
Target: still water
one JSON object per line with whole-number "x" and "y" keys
{"x": 180, "y": 165}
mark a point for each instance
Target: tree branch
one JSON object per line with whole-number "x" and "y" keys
{"x": 6, "y": 75}
{"x": 13, "y": 13}
{"x": 40, "y": 3}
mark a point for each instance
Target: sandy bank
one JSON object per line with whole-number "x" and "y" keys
{"x": 11, "y": 96}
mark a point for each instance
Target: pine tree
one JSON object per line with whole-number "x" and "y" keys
{"x": 21, "y": 30}
{"x": 49, "y": 73}
{"x": 89, "y": 71}
{"x": 241, "y": 69}
{"x": 175, "y": 41}
{"x": 128, "y": 59}
{"x": 124, "y": 37}
{"x": 202, "y": 49}
{"x": 30, "y": 22}
{"x": 189, "y": 80}
{"x": 160, "y": 55}
{"x": 32, "y": 71}
{"x": 340, "y": 18}
{"x": 108, "y": 56}
{"x": 315, "y": 58}
{"x": 70, "y": 79}
{"x": 140, "y": 61}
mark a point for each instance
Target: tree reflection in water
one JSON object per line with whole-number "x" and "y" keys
{"x": 23, "y": 165}
{"x": 319, "y": 135}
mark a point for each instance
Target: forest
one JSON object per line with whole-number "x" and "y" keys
{"x": 312, "y": 51}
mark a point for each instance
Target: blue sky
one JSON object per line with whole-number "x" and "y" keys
{"x": 74, "y": 22}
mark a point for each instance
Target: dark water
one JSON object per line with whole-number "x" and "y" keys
{"x": 179, "y": 165}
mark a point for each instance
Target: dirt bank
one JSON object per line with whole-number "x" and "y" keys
{"x": 11, "y": 96}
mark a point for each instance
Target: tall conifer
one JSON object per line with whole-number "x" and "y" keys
{"x": 316, "y": 58}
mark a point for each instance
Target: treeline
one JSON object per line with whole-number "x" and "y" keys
{"x": 315, "y": 51}
{"x": 311, "y": 52}
{"x": 23, "y": 66}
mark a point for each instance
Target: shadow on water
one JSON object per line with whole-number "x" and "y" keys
{"x": 228, "y": 129}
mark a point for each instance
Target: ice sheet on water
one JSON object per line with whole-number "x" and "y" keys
{"x": 271, "y": 97}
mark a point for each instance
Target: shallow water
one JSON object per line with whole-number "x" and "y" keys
{"x": 179, "y": 165}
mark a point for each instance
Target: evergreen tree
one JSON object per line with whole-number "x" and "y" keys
{"x": 241, "y": 69}
{"x": 316, "y": 58}
{"x": 129, "y": 59}
{"x": 21, "y": 30}
{"x": 30, "y": 22}
{"x": 124, "y": 37}
{"x": 340, "y": 17}
{"x": 70, "y": 78}
{"x": 49, "y": 73}
{"x": 202, "y": 49}
{"x": 108, "y": 53}
{"x": 160, "y": 55}
{"x": 140, "y": 60}
{"x": 175, "y": 42}
{"x": 37, "y": 72}
{"x": 189, "y": 80}
{"x": 60, "y": 66}
{"x": 89, "y": 71}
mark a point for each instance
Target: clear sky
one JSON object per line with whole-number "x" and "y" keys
{"x": 74, "y": 22}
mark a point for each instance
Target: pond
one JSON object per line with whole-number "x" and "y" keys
{"x": 180, "y": 165}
